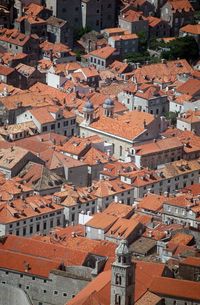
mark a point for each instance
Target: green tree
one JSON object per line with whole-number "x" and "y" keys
{"x": 183, "y": 47}
{"x": 172, "y": 116}
{"x": 142, "y": 41}
{"x": 78, "y": 33}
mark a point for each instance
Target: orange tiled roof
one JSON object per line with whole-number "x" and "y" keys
{"x": 122, "y": 228}
{"x": 103, "y": 53}
{"x": 128, "y": 125}
{"x": 187, "y": 290}
{"x": 95, "y": 156}
{"x": 29, "y": 207}
{"x": 125, "y": 37}
{"x": 191, "y": 28}
{"x": 100, "y": 222}
{"x": 191, "y": 261}
{"x": 193, "y": 189}
{"x": 132, "y": 16}
{"x": 33, "y": 9}
{"x": 152, "y": 202}
{"x": 117, "y": 168}
{"x": 190, "y": 87}
{"x": 190, "y": 116}
{"x": 154, "y": 21}
{"x": 181, "y": 5}
{"x": 14, "y": 36}
{"x": 119, "y": 210}
{"x": 78, "y": 146}
{"x": 4, "y": 70}
{"x": 182, "y": 239}
{"x": 163, "y": 72}
{"x": 158, "y": 146}
{"x": 104, "y": 188}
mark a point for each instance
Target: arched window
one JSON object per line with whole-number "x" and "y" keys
{"x": 117, "y": 299}
{"x": 118, "y": 279}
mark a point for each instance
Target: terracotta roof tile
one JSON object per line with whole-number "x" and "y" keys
{"x": 128, "y": 126}
{"x": 187, "y": 290}
{"x": 103, "y": 53}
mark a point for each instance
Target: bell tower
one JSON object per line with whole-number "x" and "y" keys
{"x": 123, "y": 277}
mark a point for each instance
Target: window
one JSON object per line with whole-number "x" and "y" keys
{"x": 31, "y": 230}
{"x": 118, "y": 279}
{"x": 120, "y": 150}
{"x": 117, "y": 299}
{"x": 55, "y": 292}
{"x": 38, "y": 227}
{"x": 58, "y": 221}
{"x": 64, "y": 294}
{"x": 65, "y": 123}
{"x": 24, "y": 231}
{"x": 44, "y": 291}
{"x": 44, "y": 128}
{"x": 53, "y": 126}
{"x": 58, "y": 125}
{"x": 44, "y": 226}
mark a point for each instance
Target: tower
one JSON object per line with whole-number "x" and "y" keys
{"x": 88, "y": 112}
{"x": 123, "y": 277}
{"x": 108, "y": 106}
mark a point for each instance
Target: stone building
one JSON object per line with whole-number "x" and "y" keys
{"x": 133, "y": 21}
{"x": 147, "y": 98}
{"x": 155, "y": 153}
{"x": 102, "y": 58}
{"x": 177, "y": 14}
{"x": 182, "y": 210}
{"x": 124, "y": 44}
{"x": 13, "y": 160}
{"x": 49, "y": 119}
{"x": 17, "y": 42}
{"x": 189, "y": 269}
{"x": 59, "y": 31}
{"x": 190, "y": 121}
{"x": 123, "y": 130}
{"x": 70, "y": 11}
{"x": 99, "y": 14}
{"x": 29, "y": 216}
{"x": 6, "y": 13}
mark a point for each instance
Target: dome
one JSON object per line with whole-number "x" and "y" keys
{"x": 122, "y": 249}
{"x": 88, "y": 107}
{"x": 108, "y": 103}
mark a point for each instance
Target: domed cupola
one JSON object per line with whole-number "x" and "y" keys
{"x": 88, "y": 107}
{"x": 122, "y": 252}
{"x": 108, "y": 106}
{"x": 88, "y": 111}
